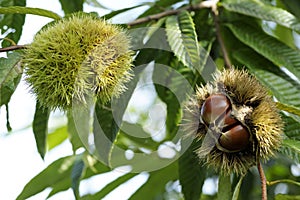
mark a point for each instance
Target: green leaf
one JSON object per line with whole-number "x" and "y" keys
{"x": 182, "y": 38}
{"x": 236, "y": 192}
{"x": 288, "y": 108}
{"x": 269, "y": 47}
{"x": 291, "y": 148}
{"x": 56, "y": 172}
{"x": 258, "y": 9}
{"x": 292, "y": 6}
{"x": 109, "y": 187}
{"x": 40, "y": 128}
{"x": 29, "y": 10}
{"x": 191, "y": 173}
{"x": 155, "y": 185}
{"x": 10, "y": 75}
{"x": 281, "y": 85}
{"x": 57, "y": 137}
{"x": 291, "y": 128}
{"x": 287, "y": 197}
{"x": 71, "y": 6}
{"x": 11, "y": 21}
{"x": 76, "y": 175}
{"x": 224, "y": 187}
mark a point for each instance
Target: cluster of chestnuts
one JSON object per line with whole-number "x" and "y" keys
{"x": 236, "y": 120}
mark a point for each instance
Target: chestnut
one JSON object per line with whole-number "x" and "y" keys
{"x": 214, "y": 107}
{"x": 235, "y": 139}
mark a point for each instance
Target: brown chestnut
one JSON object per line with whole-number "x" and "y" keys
{"x": 214, "y": 107}
{"x": 236, "y": 138}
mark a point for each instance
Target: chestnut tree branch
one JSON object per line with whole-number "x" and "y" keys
{"x": 263, "y": 181}
{"x": 203, "y": 4}
{"x": 12, "y": 48}
{"x": 220, "y": 39}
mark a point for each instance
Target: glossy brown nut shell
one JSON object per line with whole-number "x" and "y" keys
{"x": 235, "y": 139}
{"x": 214, "y": 107}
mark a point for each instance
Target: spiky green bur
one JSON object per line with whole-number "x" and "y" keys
{"x": 77, "y": 56}
{"x": 263, "y": 120}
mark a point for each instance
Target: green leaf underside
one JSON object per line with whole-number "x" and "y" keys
{"x": 258, "y": 9}
{"x": 28, "y": 10}
{"x": 287, "y": 197}
{"x": 73, "y": 134}
{"x": 236, "y": 192}
{"x": 276, "y": 51}
{"x": 55, "y": 173}
{"x": 40, "y": 128}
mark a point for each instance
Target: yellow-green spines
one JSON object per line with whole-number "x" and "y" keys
{"x": 250, "y": 107}
{"x": 75, "y": 56}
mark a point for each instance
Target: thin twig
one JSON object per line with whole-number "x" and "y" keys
{"x": 12, "y": 48}
{"x": 221, "y": 41}
{"x": 263, "y": 181}
{"x": 283, "y": 181}
{"x": 203, "y": 4}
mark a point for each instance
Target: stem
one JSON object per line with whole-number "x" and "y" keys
{"x": 220, "y": 40}
{"x": 283, "y": 181}
{"x": 263, "y": 181}
{"x": 14, "y": 47}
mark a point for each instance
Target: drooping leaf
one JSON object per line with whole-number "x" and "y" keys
{"x": 71, "y": 6}
{"x": 109, "y": 187}
{"x": 28, "y": 10}
{"x": 56, "y": 172}
{"x": 291, "y": 148}
{"x": 259, "y": 9}
{"x": 57, "y": 137}
{"x": 95, "y": 3}
{"x": 182, "y": 38}
{"x": 10, "y": 75}
{"x": 191, "y": 173}
{"x": 155, "y": 185}
{"x": 40, "y": 128}
{"x": 269, "y": 47}
{"x": 76, "y": 175}
{"x": 11, "y": 24}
